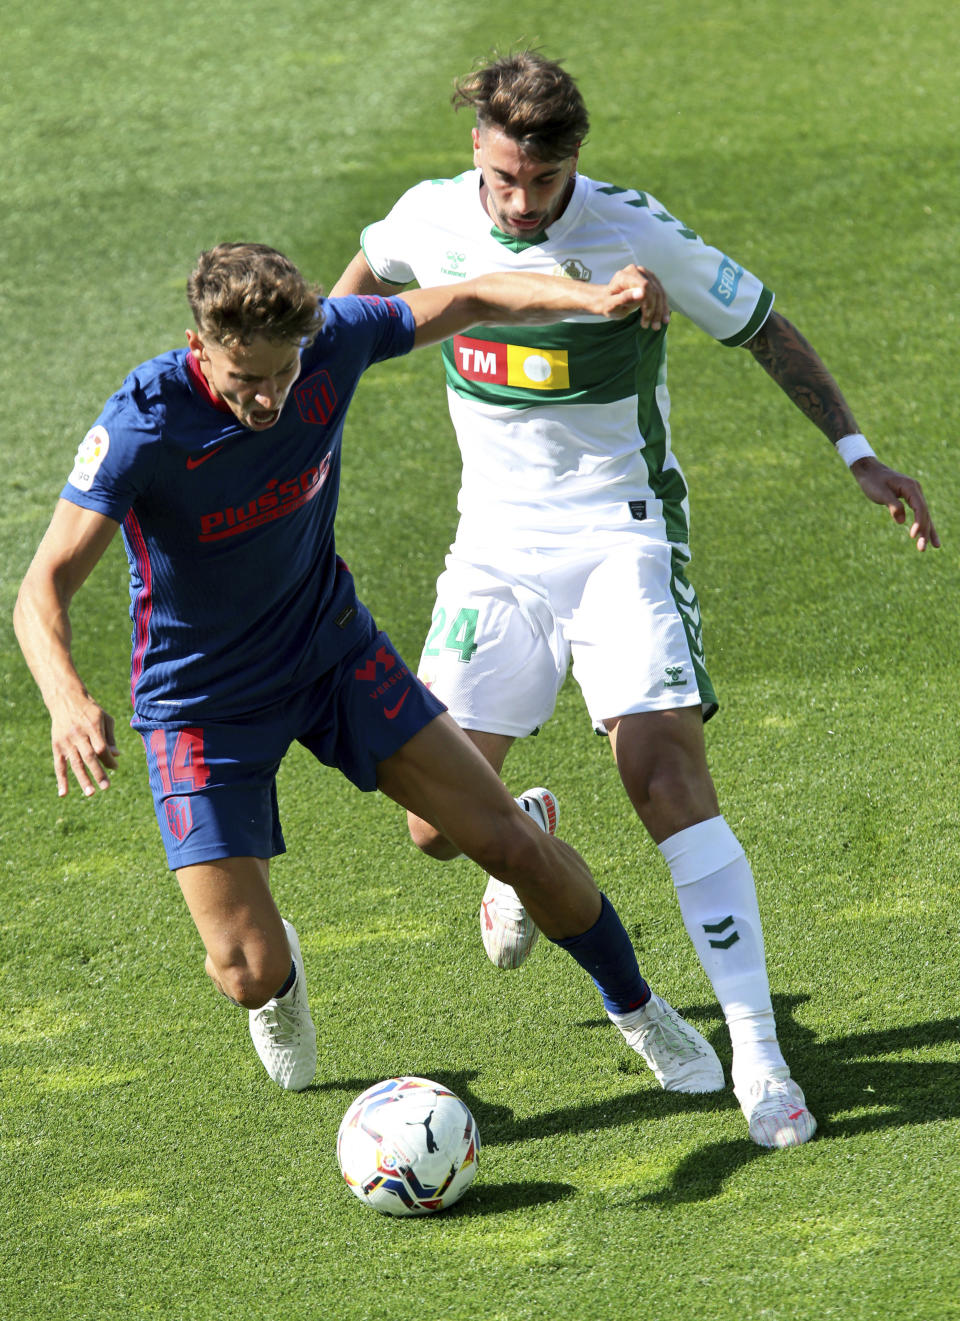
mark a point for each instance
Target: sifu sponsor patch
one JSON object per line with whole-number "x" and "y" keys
{"x": 725, "y": 286}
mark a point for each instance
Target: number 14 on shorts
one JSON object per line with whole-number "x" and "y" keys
{"x": 178, "y": 754}
{"x": 460, "y": 637}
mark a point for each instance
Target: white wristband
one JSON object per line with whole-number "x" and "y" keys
{"x": 853, "y": 447}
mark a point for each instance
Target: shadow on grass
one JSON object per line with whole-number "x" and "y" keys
{"x": 496, "y": 1198}
{"x": 850, "y": 1088}
{"x": 847, "y": 1077}
{"x": 499, "y": 1126}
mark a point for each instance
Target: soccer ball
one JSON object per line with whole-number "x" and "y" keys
{"x": 408, "y": 1146}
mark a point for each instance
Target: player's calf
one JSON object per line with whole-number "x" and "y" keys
{"x": 508, "y": 931}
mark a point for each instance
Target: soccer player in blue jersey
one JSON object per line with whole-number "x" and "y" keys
{"x": 220, "y": 462}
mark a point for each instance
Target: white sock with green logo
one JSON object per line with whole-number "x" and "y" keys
{"x": 718, "y": 901}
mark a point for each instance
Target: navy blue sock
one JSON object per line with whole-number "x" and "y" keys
{"x": 606, "y": 954}
{"x": 288, "y": 984}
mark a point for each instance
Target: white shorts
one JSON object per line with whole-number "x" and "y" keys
{"x": 500, "y": 642}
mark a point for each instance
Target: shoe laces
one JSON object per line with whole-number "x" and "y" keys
{"x": 507, "y": 906}
{"x": 773, "y": 1092}
{"x": 280, "y": 1022}
{"x": 666, "y": 1032}
{"x": 676, "y": 1042}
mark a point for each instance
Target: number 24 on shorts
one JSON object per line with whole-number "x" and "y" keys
{"x": 460, "y": 637}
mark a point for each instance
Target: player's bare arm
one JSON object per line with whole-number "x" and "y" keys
{"x": 82, "y": 733}
{"x": 521, "y": 298}
{"x": 646, "y": 293}
{"x": 800, "y": 372}
{"x": 358, "y": 278}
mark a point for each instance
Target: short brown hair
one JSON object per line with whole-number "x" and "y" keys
{"x": 238, "y": 291}
{"x": 531, "y": 99}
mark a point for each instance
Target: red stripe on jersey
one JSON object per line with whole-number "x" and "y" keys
{"x": 143, "y": 607}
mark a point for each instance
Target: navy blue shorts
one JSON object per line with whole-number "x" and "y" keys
{"x": 215, "y": 785}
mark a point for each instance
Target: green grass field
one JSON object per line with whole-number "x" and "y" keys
{"x": 149, "y": 1168}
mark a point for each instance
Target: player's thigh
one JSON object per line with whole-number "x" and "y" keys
{"x": 635, "y": 644}
{"x": 440, "y": 776}
{"x": 493, "y": 655}
{"x": 232, "y": 907}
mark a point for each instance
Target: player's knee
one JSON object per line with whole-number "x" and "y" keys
{"x": 429, "y": 840}
{"x": 671, "y": 797}
{"x": 249, "y": 980}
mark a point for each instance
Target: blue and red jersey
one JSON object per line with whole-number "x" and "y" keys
{"x": 237, "y": 594}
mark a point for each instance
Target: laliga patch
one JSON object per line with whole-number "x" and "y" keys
{"x": 92, "y": 452}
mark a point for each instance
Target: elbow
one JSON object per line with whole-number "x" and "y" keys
{"x": 19, "y": 610}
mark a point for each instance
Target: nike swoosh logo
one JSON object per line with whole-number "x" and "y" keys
{"x": 391, "y": 712}
{"x": 194, "y": 461}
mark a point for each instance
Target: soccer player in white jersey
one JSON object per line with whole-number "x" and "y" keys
{"x": 573, "y": 534}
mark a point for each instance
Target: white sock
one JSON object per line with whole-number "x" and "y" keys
{"x": 718, "y": 901}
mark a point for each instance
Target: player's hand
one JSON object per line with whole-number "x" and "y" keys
{"x": 82, "y": 738}
{"x": 633, "y": 287}
{"x": 886, "y": 487}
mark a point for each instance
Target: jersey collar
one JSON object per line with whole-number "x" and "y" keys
{"x": 202, "y": 386}
{"x": 519, "y": 245}
{"x": 559, "y": 227}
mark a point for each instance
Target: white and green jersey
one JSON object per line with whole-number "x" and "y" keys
{"x": 563, "y": 428}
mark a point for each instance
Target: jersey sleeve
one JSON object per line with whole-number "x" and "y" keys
{"x": 115, "y": 460}
{"x": 712, "y": 289}
{"x": 370, "y": 328}
{"x": 388, "y": 244}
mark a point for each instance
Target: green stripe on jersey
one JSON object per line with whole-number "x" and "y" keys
{"x": 605, "y": 360}
{"x": 760, "y": 313}
{"x": 667, "y": 484}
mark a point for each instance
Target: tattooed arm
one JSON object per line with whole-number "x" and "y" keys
{"x": 800, "y": 373}
{"x": 796, "y": 367}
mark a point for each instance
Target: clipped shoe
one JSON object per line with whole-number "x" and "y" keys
{"x": 681, "y": 1059}
{"x": 509, "y": 932}
{"x": 283, "y": 1032}
{"x": 542, "y": 806}
{"x": 776, "y": 1112}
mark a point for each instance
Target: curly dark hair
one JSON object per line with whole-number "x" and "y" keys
{"x": 531, "y": 99}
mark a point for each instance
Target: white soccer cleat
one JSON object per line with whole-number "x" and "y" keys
{"x": 509, "y": 932}
{"x": 681, "y": 1059}
{"x": 542, "y": 806}
{"x": 283, "y": 1031}
{"x": 776, "y": 1112}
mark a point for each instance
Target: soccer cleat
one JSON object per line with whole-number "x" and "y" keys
{"x": 542, "y": 806}
{"x": 681, "y": 1059}
{"x": 777, "y": 1114}
{"x": 283, "y": 1031}
{"x": 509, "y": 932}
